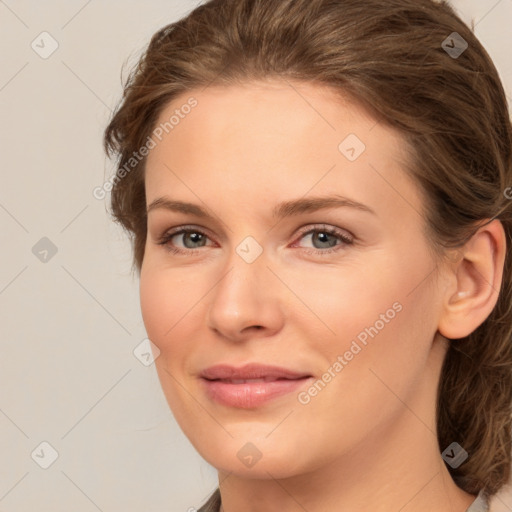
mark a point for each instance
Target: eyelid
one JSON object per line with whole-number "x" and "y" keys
{"x": 185, "y": 228}
{"x": 327, "y": 228}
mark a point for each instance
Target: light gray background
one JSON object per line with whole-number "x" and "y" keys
{"x": 68, "y": 375}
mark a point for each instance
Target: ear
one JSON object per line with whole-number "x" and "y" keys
{"x": 474, "y": 282}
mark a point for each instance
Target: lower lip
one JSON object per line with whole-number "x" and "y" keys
{"x": 250, "y": 394}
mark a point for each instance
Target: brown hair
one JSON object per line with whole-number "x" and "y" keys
{"x": 450, "y": 109}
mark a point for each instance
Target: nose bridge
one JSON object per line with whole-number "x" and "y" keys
{"x": 247, "y": 294}
{"x": 247, "y": 275}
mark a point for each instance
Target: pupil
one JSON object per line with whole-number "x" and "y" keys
{"x": 322, "y": 234}
{"x": 195, "y": 237}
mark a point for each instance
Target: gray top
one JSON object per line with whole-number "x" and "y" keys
{"x": 481, "y": 503}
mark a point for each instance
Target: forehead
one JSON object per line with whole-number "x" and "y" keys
{"x": 277, "y": 138}
{"x": 264, "y": 108}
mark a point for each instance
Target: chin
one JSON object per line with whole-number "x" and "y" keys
{"x": 251, "y": 456}
{"x": 270, "y": 466}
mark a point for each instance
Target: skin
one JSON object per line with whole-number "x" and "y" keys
{"x": 367, "y": 441}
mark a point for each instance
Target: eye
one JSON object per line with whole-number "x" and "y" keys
{"x": 326, "y": 237}
{"x": 192, "y": 236}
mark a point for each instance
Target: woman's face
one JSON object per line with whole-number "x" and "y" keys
{"x": 341, "y": 295}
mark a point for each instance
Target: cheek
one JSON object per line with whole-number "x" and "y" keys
{"x": 366, "y": 392}
{"x": 170, "y": 301}
{"x": 348, "y": 304}
{"x": 383, "y": 323}
{"x": 159, "y": 305}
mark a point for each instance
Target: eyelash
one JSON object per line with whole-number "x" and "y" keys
{"x": 347, "y": 240}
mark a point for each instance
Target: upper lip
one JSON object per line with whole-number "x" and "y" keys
{"x": 251, "y": 371}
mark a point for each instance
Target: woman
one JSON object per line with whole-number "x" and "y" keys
{"x": 318, "y": 193}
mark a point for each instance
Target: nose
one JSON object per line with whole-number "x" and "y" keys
{"x": 246, "y": 301}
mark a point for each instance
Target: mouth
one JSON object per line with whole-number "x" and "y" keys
{"x": 251, "y": 393}
{"x": 252, "y": 385}
{"x": 247, "y": 381}
{"x": 251, "y": 372}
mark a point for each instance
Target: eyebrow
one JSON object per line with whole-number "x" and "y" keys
{"x": 281, "y": 210}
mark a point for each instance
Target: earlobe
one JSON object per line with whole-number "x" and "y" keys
{"x": 476, "y": 280}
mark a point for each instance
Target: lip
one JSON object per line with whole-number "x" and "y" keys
{"x": 221, "y": 384}
{"x": 251, "y": 371}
